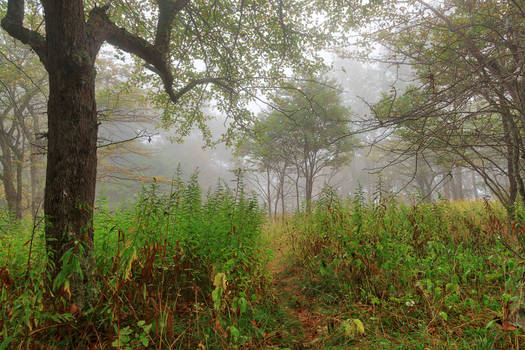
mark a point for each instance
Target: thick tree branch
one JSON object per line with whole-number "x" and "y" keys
{"x": 155, "y": 56}
{"x": 13, "y": 24}
{"x": 168, "y": 9}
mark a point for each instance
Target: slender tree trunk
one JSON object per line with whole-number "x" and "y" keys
{"x": 8, "y": 176}
{"x": 19, "y": 181}
{"x": 277, "y": 197}
{"x": 475, "y": 192}
{"x": 516, "y": 143}
{"x": 458, "y": 175}
{"x": 446, "y": 188}
{"x": 283, "y": 206}
{"x": 269, "y": 192}
{"x": 511, "y": 169}
{"x": 281, "y": 185}
{"x": 308, "y": 192}
{"x": 35, "y": 175}
{"x": 453, "y": 185}
{"x": 72, "y": 140}
{"x": 297, "y": 197}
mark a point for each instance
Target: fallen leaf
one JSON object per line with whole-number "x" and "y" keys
{"x": 506, "y": 326}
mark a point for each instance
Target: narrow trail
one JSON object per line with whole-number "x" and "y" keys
{"x": 291, "y": 297}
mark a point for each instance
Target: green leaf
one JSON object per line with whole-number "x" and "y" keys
{"x": 443, "y": 315}
{"x": 359, "y": 326}
{"x": 234, "y": 333}
{"x": 243, "y": 305}
{"x": 216, "y": 296}
{"x": 5, "y": 343}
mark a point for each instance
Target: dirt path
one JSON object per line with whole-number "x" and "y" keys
{"x": 286, "y": 280}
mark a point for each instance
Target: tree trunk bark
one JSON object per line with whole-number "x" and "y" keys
{"x": 297, "y": 197}
{"x": 308, "y": 192}
{"x": 35, "y": 175}
{"x": 283, "y": 205}
{"x": 511, "y": 169}
{"x": 458, "y": 176}
{"x": 72, "y": 144}
{"x": 8, "y": 176}
{"x": 446, "y": 188}
{"x": 269, "y": 192}
{"x": 19, "y": 183}
{"x": 276, "y": 204}
{"x": 475, "y": 193}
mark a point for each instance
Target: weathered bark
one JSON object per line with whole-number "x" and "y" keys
{"x": 517, "y": 143}
{"x": 72, "y": 142}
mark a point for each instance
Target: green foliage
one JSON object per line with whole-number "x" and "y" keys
{"x": 422, "y": 274}
{"x": 178, "y": 267}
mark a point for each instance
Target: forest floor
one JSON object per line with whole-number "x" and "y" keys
{"x": 286, "y": 278}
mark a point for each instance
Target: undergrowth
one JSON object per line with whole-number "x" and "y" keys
{"x": 414, "y": 276}
{"x": 182, "y": 269}
{"x": 178, "y": 270}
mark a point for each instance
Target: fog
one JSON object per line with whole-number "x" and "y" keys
{"x": 155, "y": 156}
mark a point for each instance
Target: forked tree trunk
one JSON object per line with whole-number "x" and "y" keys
{"x": 72, "y": 141}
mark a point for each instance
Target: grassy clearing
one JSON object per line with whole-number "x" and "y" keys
{"x": 184, "y": 270}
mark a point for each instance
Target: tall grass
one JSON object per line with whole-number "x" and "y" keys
{"x": 178, "y": 269}
{"x": 428, "y": 275}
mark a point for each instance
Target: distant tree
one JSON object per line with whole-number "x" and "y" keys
{"x": 22, "y": 96}
{"x": 308, "y": 132}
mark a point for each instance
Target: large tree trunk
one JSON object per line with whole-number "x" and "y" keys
{"x": 72, "y": 140}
